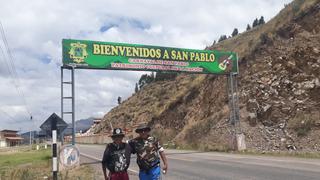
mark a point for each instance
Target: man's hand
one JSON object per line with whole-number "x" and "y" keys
{"x": 106, "y": 175}
{"x": 164, "y": 169}
{"x": 165, "y": 162}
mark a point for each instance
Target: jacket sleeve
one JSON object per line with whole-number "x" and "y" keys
{"x": 131, "y": 144}
{"x": 158, "y": 145}
{"x": 128, "y": 151}
{"x": 106, "y": 156}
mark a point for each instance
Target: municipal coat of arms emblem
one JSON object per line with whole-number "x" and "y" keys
{"x": 78, "y": 52}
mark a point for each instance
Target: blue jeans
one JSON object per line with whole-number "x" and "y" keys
{"x": 152, "y": 174}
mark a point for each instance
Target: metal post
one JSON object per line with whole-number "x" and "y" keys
{"x": 236, "y": 105}
{"x": 72, "y": 103}
{"x": 233, "y": 102}
{"x": 73, "y": 114}
{"x": 54, "y": 149}
{"x": 231, "y": 98}
{"x": 231, "y": 110}
{"x": 61, "y": 69}
{"x": 61, "y": 92}
{"x": 30, "y": 137}
{"x": 237, "y": 135}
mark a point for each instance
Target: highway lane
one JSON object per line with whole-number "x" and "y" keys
{"x": 194, "y": 165}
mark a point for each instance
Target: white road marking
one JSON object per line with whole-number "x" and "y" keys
{"x": 181, "y": 159}
{"x": 94, "y": 158}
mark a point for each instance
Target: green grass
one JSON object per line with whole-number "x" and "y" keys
{"x": 34, "y": 165}
{"x": 34, "y": 157}
{"x": 27, "y": 164}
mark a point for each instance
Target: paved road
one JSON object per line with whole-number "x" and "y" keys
{"x": 193, "y": 165}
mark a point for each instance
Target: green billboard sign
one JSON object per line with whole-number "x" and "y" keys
{"x": 121, "y": 56}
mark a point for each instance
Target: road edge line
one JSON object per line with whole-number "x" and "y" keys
{"x": 94, "y": 158}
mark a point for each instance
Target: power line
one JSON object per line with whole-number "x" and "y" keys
{"x": 10, "y": 117}
{"x": 12, "y": 70}
{"x": 6, "y": 63}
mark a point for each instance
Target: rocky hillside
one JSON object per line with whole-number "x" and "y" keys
{"x": 279, "y": 91}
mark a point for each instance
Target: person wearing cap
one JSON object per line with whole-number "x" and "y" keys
{"x": 148, "y": 149}
{"x": 116, "y": 157}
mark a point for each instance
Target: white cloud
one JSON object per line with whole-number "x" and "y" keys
{"x": 35, "y": 30}
{"x": 114, "y": 83}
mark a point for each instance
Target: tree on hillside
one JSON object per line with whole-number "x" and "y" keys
{"x": 235, "y": 32}
{"x": 255, "y": 23}
{"x": 161, "y": 76}
{"x": 119, "y": 100}
{"x": 248, "y": 27}
{"x": 222, "y": 37}
{"x": 261, "y": 20}
{"x": 145, "y": 79}
{"x": 149, "y": 79}
{"x": 136, "y": 89}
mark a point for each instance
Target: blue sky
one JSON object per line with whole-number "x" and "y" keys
{"x": 34, "y": 31}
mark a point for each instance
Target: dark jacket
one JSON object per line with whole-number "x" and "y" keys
{"x": 116, "y": 158}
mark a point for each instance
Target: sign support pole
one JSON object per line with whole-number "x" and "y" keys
{"x": 61, "y": 69}
{"x": 72, "y": 98}
{"x": 237, "y": 135}
{"x": 73, "y": 114}
{"x": 54, "y": 149}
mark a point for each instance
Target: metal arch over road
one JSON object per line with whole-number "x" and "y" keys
{"x": 84, "y": 54}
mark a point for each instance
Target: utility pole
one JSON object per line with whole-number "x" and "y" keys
{"x": 30, "y": 137}
{"x": 30, "y": 133}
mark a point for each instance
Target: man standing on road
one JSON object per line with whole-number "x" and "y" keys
{"x": 148, "y": 149}
{"x": 116, "y": 157}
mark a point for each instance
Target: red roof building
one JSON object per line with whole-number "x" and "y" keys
{"x": 9, "y": 138}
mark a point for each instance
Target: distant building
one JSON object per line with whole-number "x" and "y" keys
{"x": 36, "y": 136}
{"x": 9, "y": 138}
{"x": 97, "y": 121}
{"x": 90, "y": 131}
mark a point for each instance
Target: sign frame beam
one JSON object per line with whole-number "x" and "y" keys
{"x": 72, "y": 97}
